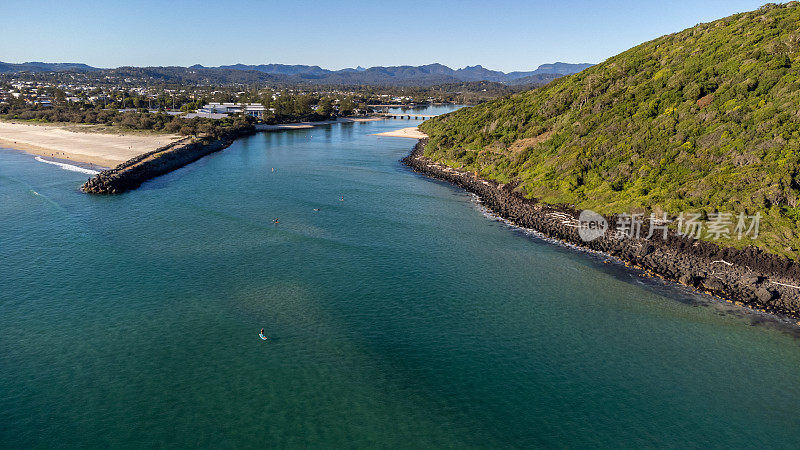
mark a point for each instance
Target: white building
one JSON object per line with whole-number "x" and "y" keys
{"x": 251, "y": 109}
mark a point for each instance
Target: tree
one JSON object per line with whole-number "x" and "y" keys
{"x": 59, "y": 98}
{"x": 302, "y": 105}
{"x": 325, "y": 107}
{"x": 346, "y": 107}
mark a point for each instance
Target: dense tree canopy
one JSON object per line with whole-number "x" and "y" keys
{"x": 701, "y": 120}
{"x": 130, "y": 120}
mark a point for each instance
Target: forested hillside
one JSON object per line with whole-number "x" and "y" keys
{"x": 701, "y": 120}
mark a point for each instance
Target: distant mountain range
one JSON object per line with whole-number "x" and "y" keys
{"x": 425, "y": 75}
{"x": 430, "y": 73}
{"x": 45, "y": 67}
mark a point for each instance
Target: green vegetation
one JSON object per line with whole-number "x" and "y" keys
{"x": 128, "y": 120}
{"x": 701, "y": 120}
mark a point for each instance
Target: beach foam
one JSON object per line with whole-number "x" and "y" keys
{"x": 69, "y": 167}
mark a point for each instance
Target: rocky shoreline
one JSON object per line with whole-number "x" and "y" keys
{"x": 132, "y": 173}
{"x": 749, "y": 276}
{"x": 135, "y": 171}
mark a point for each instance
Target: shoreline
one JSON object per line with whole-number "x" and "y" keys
{"x": 70, "y": 143}
{"x": 42, "y": 152}
{"x": 132, "y": 173}
{"x": 73, "y": 166}
{"x": 125, "y": 160}
{"x": 135, "y": 171}
{"x": 748, "y": 277}
{"x": 102, "y": 149}
{"x": 409, "y": 132}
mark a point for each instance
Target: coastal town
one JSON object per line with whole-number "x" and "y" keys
{"x": 193, "y": 102}
{"x": 101, "y": 118}
{"x": 422, "y": 225}
{"x": 82, "y": 90}
{"x": 104, "y": 123}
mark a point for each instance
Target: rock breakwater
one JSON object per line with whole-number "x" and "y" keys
{"x": 748, "y": 276}
{"x": 132, "y": 173}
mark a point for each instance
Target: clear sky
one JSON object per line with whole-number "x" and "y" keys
{"x": 508, "y": 35}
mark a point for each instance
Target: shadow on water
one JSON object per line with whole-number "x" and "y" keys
{"x": 616, "y": 268}
{"x": 664, "y": 288}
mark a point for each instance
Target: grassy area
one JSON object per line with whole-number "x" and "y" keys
{"x": 704, "y": 120}
{"x": 92, "y": 128}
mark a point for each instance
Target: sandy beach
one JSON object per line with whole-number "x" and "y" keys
{"x": 410, "y": 132}
{"x": 57, "y": 141}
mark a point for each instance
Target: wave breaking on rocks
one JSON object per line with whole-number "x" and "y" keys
{"x": 748, "y": 276}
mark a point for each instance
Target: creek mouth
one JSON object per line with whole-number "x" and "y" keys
{"x": 132, "y": 173}
{"x": 748, "y": 277}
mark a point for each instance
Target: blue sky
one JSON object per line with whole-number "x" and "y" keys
{"x": 509, "y": 35}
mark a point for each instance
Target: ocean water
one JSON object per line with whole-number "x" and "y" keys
{"x": 402, "y": 316}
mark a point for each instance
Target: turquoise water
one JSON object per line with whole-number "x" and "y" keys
{"x": 402, "y": 316}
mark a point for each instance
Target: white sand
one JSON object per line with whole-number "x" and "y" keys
{"x": 56, "y": 141}
{"x": 410, "y": 132}
{"x": 68, "y": 142}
